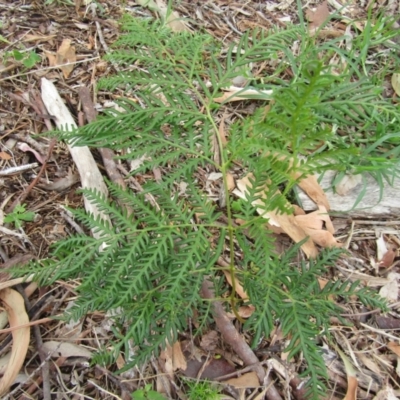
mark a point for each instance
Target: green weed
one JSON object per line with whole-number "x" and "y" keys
{"x": 19, "y": 215}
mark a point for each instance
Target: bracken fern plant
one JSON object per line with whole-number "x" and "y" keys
{"x": 149, "y": 265}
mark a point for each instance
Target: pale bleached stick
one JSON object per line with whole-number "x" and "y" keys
{"x": 90, "y": 175}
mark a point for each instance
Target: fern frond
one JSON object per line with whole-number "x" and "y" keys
{"x": 148, "y": 266}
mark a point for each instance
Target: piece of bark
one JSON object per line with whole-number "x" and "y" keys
{"x": 369, "y": 206}
{"x": 387, "y": 323}
{"x": 89, "y": 173}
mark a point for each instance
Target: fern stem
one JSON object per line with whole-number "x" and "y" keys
{"x": 224, "y": 169}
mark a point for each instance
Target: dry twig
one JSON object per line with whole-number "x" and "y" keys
{"x": 234, "y": 339}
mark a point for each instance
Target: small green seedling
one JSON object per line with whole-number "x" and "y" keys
{"x": 202, "y": 391}
{"x": 147, "y": 394}
{"x": 29, "y": 59}
{"x": 19, "y": 215}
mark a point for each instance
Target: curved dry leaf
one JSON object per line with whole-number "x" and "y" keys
{"x": 173, "y": 20}
{"x": 5, "y": 156}
{"x": 316, "y": 220}
{"x": 37, "y": 38}
{"x": 322, "y": 238}
{"x": 14, "y": 304}
{"x": 322, "y": 282}
{"x": 360, "y": 25}
{"x": 289, "y": 224}
{"x": 222, "y": 130}
{"x": 314, "y": 190}
{"x": 241, "y": 191}
{"x": 381, "y": 248}
{"x": 63, "y": 183}
{"x": 66, "y": 349}
{"x": 243, "y": 312}
{"x": 230, "y": 181}
{"x": 323, "y": 214}
{"x": 352, "y": 382}
{"x": 238, "y": 287}
{"x": 310, "y": 221}
{"x": 285, "y": 222}
{"x": 390, "y": 291}
{"x": 308, "y": 184}
{"x": 396, "y": 83}
{"x": 249, "y": 380}
{"x": 352, "y": 385}
{"x": 176, "y": 23}
{"x": 317, "y": 17}
{"x": 16, "y": 281}
{"x": 51, "y": 57}
{"x": 297, "y": 210}
{"x": 28, "y": 292}
{"x": 394, "y": 347}
{"x": 25, "y": 147}
{"x": 173, "y": 357}
{"x": 65, "y": 55}
{"x": 388, "y": 258}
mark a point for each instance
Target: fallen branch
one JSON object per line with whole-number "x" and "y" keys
{"x": 90, "y": 175}
{"x": 236, "y": 341}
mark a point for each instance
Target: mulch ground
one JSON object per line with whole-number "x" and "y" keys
{"x": 371, "y": 342}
